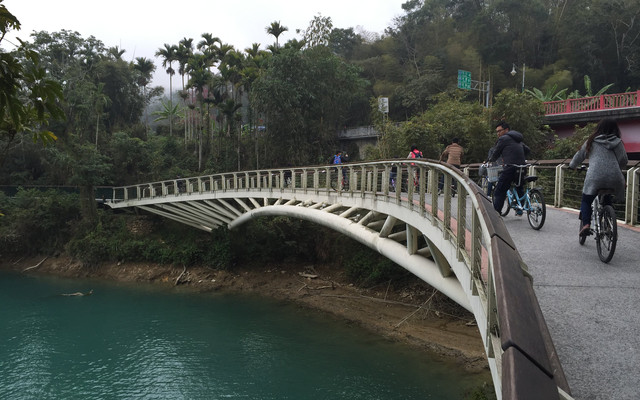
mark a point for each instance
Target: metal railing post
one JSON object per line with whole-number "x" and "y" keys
{"x": 631, "y": 204}
{"x": 559, "y": 186}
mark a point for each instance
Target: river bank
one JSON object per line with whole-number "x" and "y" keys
{"x": 414, "y": 314}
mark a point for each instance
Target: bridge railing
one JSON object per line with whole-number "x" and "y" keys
{"x": 594, "y": 103}
{"x": 517, "y": 342}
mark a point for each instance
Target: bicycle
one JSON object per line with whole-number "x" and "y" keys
{"x": 604, "y": 226}
{"x": 343, "y": 184}
{"x": 531, "y": 202}
{"x": 488, "y": 177}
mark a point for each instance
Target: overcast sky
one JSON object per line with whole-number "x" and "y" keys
{"x": 141, "y": 27}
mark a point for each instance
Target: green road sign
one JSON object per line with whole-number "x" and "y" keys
{"x": 464, "y": 79}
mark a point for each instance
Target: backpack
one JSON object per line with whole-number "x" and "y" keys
{"x": 336, "y": 160}
{"x": 415, "y": 154}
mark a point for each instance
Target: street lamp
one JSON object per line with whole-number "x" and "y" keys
{"x": 513, "y": 72}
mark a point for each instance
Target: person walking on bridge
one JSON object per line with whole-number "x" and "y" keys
{"x": 414, "y": 153}
{"x": 453, "y": 153}
{"x": 511, "y": 148}
{"x": 607, "y": 157}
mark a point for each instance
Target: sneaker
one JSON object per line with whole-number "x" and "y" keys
{"x": 519, "y": 213}
{"x": 586, "y": 230}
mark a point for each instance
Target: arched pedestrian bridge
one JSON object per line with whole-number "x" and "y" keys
{"x": 457, "y": 244}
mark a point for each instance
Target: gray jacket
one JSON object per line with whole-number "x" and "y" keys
{"x": 606, "y": 160}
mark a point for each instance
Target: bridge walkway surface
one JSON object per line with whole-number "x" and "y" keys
{"x": 591, "y": 308}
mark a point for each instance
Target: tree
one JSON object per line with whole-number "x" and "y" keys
{"x": 200, "y": 80}
{"x": 183, "y": 54}
{"x": 318, "y": 33}
{"x": 305, "y": 97}
{"x": 100, "y": 102}
{"x": 145, "y": 68}
{"x": 89, "y": 169}
{"x": 523, "y": 114}
{"x": 168, "y": 54}
{"x": 209, "y": 47}
{"x": 276, "y": 30}
{"x": 116, "y": 52}
{"x": 28, "y": 97}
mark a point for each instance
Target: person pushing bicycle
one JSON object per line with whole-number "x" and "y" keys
{"x": 607, "y": 157}
{"x": 511, "y": 148}
{"x": 340, "y": 158}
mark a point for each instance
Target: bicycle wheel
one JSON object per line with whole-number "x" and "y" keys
{"x": 537, "y": 211}
{"x": 607, "y": 238}
{"x": 483, "y": 183}
{"x": 581, "y": 238}
{"x": 507, "y": 204}
{"x": 334, "y": 182}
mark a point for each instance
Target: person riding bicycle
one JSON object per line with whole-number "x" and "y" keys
{"x": 607, "y": 157}
{"x": 511, "y": 148}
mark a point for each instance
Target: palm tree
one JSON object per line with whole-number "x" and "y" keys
{"x": 168, "y": 53}
{"x": 209, "y": 48}
{"x": 254, "y": 50}
{"x": 145, "y": 67}
{"x": 101, "y": 101}
{"x": 185, "y": 50}
{"x": 183, "y": 53}
{"x": 276, "y": 30}
{"x": 116, "y": 52}
{"x": 199, "y": 80}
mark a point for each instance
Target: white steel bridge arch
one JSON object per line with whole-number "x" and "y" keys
{"x": 458, "y": 245}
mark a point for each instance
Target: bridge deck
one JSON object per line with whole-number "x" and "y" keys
{"x": 591, "y": 308}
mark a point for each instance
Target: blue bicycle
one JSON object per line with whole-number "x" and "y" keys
{"x": 531, "y": 202}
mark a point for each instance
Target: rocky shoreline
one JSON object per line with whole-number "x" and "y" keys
{"x": 413, "y": 314}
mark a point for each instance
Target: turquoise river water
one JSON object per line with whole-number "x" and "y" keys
{"x": 144, "y": 342}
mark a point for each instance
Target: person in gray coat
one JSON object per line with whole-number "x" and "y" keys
{"x": 607, "y": 157}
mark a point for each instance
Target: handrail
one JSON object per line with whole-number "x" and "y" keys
{"x": 593, "y": 103}
{"x": 516, "y": 339}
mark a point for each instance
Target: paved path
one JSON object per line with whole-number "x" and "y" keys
{"x": 592, "y": 309}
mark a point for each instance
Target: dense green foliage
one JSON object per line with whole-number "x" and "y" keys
{"x": 37, "y": 221}
{"x": 132, "y": 239}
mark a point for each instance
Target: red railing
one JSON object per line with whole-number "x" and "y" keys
{"x": 596, "y": 103}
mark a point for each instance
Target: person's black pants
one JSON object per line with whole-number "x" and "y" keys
{"x": 509, "y": 174}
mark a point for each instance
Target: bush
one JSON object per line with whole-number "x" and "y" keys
{"x": 118, "y": 238}
{"x": 275, "y": 239}
{"x": 366, "y": 267}
{"x": 37, "y": 221}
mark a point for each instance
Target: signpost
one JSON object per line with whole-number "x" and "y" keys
{"x": 383, "y": 105}
{"x": 465, "y": 82}
{"x": 464, "y": 79}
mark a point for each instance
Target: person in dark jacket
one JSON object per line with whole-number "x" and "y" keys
{"x": 511, "y": 148}
{"x": 607, "y": 157}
